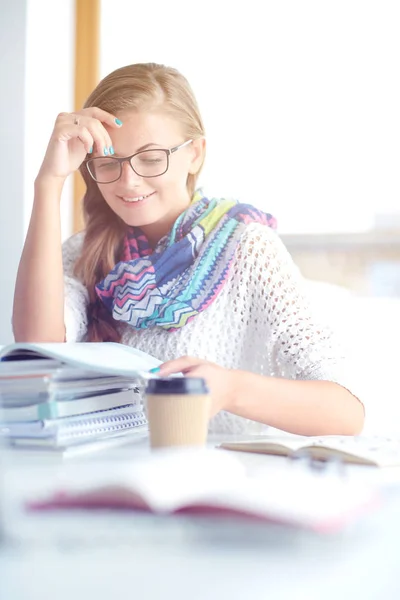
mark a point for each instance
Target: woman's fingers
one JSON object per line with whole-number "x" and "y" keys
{"x": 93, "y": 120}
{"x": 86, "y": 138}
{"x": 103, "y": 116}
{"x": 180, "y": 365}
{"x": 101, "y": 138}
{"x": 96, "y": 119}
{"x": 70, "y": 132}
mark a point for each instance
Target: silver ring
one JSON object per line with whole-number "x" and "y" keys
{"x": 76, "y": 121}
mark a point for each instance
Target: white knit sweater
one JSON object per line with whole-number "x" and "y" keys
{"x": 261, "y": 321}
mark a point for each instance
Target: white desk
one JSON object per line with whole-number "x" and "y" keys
{"x": 108, "y": 555}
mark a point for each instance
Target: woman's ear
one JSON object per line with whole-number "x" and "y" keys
{"x": 198, "y": 151}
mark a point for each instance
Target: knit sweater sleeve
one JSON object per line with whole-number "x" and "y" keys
{"x": 76, "y": 297}
{"x": 301, "y": 344}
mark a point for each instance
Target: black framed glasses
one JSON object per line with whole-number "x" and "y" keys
{"x": 146, "y": 163}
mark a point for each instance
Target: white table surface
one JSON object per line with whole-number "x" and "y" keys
{"x": 113, "y": 555}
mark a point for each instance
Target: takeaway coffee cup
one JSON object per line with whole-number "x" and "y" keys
{"x": 178, "y": 410}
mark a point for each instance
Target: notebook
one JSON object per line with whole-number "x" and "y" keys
{"x": 75, "y": 430}
{"x": 364, "y": 450}
{"x": 212, "y": 482}
{"x": 58, "y": 406}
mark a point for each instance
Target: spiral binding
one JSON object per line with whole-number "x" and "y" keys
{"x": 101, "y": 425}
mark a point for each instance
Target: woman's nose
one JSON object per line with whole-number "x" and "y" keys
{"x": 128, "y": 174}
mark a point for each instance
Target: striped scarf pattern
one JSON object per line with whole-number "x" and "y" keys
{"x": 187, "y": 270}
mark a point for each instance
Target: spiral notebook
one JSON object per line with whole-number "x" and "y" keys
{"x": 77, "y": 430}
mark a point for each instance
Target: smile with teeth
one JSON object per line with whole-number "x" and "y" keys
{"x": 136, "y": 198}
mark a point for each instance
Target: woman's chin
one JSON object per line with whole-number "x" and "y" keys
{"x": 140, "y": 219}
{"x": 136, "y": 213}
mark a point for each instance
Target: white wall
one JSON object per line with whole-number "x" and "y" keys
{"x": 49, "y": 89}
{"x": 36, "y": 71}
{"x": 12, "y": 163}
{"x": 300, "y": 98}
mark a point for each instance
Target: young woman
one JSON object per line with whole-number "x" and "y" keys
{"x": 203, "y": 284}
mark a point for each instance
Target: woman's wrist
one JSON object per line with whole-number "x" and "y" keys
{"x": 48, "y": 190}
{"x": 242, "y": 383}
{"x": 46, "y": 183}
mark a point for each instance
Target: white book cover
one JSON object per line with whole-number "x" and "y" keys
{"x": 104, "y": 357}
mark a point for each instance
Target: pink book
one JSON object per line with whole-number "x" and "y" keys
{"x": 215, "y": 482}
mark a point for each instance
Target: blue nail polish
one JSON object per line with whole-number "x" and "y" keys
{"x": 155, "y": 370}
{"x": 90, "y": 150}
{"x": 118, "y": 122}
{"x": 105, "y": 151}
{"x": 112, "y": 150}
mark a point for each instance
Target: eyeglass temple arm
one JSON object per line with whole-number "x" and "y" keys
{"x": 180, "y": 146}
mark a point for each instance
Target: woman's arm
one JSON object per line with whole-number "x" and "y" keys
{"x": 302, "y": 407}
{"x": 38, "y": 314}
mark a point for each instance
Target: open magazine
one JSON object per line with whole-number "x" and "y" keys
{"x": 108, "y": 358}
{"x": 214, "y": 482}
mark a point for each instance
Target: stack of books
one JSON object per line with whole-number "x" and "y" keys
{"x": 61, "y": 395}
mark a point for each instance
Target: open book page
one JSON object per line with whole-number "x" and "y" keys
{"x": 367, "y": 450}
{"x": 298, "y": 497}
{"x": 163, "y": 481}
{"x": 214, "y": 482}
{"x": 104, "y": 357}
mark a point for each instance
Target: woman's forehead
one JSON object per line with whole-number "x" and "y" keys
{"x": 141, "y": 128}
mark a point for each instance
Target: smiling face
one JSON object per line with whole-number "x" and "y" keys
{"x": 154, "y": 203}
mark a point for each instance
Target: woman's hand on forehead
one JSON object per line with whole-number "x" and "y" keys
{"x": 75, "y": 135}
{"x": 95, "y": 122}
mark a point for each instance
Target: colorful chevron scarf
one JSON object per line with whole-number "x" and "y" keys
{"x": 187, "y": 270}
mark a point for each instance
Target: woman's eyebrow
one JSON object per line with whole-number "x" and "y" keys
{"x": 140, "y": 149}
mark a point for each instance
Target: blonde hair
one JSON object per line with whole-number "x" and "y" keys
{"x": 146, "y": 86}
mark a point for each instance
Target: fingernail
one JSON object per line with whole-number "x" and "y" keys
{"x": 112, "y": 150}
{"x": 90, "y": 150}
{"x": 155, "y": 370}
{"x": 105, "y": 151}
{"x": 118, "y": 122}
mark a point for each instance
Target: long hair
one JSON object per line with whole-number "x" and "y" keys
{"x": 144, "y": 86}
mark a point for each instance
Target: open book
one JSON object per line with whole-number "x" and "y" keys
{"x": 215, "y": 483}
{"x": 363, "y": 450}
{"x": 107, "y": 358}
